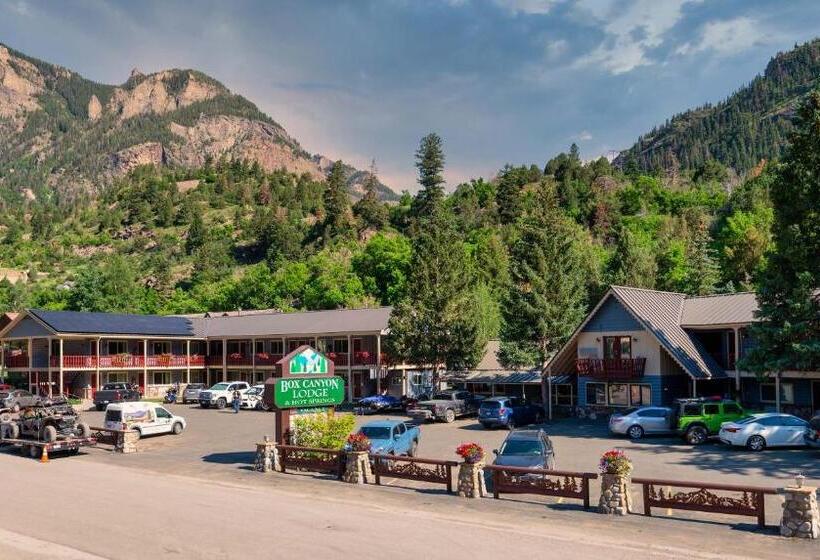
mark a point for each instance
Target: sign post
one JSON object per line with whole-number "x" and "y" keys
{"x": 302, "y": 380}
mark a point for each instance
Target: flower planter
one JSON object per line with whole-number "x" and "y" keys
{"x": 616, "y": 494}
{"x": 357, "y": 468}
{"x": 471, "y": 480}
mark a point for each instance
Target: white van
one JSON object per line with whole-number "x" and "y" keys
{"x": 145, "y": 417}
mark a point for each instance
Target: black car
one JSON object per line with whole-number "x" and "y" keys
{"x": 530, "y": 449}
{"x": 812, "y": 435}
{"x": 508, "y": 412}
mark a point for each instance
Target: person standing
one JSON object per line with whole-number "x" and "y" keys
{"x": 237, "y": 401}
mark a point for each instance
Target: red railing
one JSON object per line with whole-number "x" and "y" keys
{"x": 19, "y": 360}
{"x": 239, "y": 360}
{"x": 126, "y": 361}
{"x": 169, "y": 360}
{"x": 266, "y": 359}
{"x": 197, "y": 360}
{"x": 338, "y": 358}
{"x": 611, "y": 368}
{"x": 367, "y": 358}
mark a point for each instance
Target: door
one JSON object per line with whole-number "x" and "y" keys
{"x": 162, "y": 423}
{"x": 654, "y": 420}
{"x": 712, "y": 417}
{"x": 774, "y": 431}
{"x": 793, "y": 430}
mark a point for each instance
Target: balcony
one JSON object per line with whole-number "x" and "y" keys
{"x": 338, "y": 358}
{"x": 266, "y": 359}
{"x": 237, "y": 359}
{"x": 611, "y": 368}
{"x": 126, "y": 361}
{"x": 16, "y": 361}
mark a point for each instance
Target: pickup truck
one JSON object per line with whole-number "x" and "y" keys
{"x": 446, "y": 406}
{"x": 392, "y": 437}
{"x": 115, "y": 392}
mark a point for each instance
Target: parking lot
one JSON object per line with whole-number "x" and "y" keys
{"x": 220, "y": 445}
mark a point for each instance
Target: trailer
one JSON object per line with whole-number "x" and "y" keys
{"x": 34, "y": 448}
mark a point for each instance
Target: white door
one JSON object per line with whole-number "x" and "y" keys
{"x": 775, "y": 433}
{"x": 163, "y": 421}
{"x": 795, "y": 428}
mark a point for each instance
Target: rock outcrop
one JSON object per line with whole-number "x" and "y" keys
{"x": 94, "y": 108}
{"x": 148, "y": 153}
{"x": 153, "y": 94}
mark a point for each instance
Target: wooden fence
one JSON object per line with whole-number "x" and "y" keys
{"x": 413, "y": 468}
{"x": 521, "y": 480}
{"x": 311, "y": 459}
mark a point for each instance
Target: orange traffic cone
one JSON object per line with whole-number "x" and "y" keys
{"x": 44, "y": 456}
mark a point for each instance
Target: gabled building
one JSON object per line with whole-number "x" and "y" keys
{"x": 76, "y": 352}
{"x": 640, "y": 347}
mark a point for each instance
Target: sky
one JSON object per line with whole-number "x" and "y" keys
{"x": 502, "y": 81}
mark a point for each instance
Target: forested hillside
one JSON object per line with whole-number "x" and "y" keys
{"x": 748, "y": 127}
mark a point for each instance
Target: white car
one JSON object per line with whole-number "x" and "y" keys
{"x": 759, "y": 431}
{"x": 221, "y": 394}
{"x": 252, "y": 399}
{"x": 146, "y": 418}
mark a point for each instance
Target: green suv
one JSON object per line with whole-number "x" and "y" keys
{"x": 698, "y": 419}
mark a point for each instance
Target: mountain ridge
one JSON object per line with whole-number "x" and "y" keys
{"x": 62, "y": 131}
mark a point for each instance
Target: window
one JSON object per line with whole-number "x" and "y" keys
{"x": 731, "y": 408}
{"x": 652, "y": 413}
{"x": 117, "y": 347}
{"x": 161, "y": 347}
{"x": 562, "y": 395}
{"x": 691, "y": 410}
{"x": 596, "y": 393}
{"x": 618, "y": 394}
{"x": 792, "y": 421}
{"x": 767, "y": 393}
{"x": 119, "y": 377}
{"x": 162, "y": 413}
{"x": 400, "y": 429}
{"x": 711, "y": 409}
{"x": 340, "y": 346}
{"x": 160, "y": 377}
{"x": 617, "y": 347}
{"x": 640, "y": 395}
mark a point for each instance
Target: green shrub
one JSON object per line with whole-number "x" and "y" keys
{"x": 327, "y": 431}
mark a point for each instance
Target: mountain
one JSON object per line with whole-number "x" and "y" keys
{"x": 751, "y": 125}
{"x": 61, "y": 131}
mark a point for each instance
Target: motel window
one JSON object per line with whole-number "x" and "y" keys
{"x": 768, "y": 395}
{"x": 562, "y": 395}
{"x": 117, "y": 347}
{"x": 160, "y": 347}
{"x": 619, "y": 394}
{"x": 118, "y": 377}
{"x": 640, "y": 395}
{"x": 596, "y": 393}
{"x": 160, "y": 377}
{"x": 617, "y": 347}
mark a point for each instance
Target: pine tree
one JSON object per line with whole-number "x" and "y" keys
{"x": 430, "y": 163}
{"x": 369, "y": 209}
{"x": 338, "y": 222}
{"x": 703, "y": 272}
{"x": 196, "y": 234}
{"x": 634, "y": 261}
{"x": 788, "y": 334}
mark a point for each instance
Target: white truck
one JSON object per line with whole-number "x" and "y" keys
{"x": 221, "y": 394}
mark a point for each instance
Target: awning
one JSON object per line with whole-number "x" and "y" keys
{"x": 499, "y": 378}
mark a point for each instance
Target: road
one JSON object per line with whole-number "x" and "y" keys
{"x": 83, "y": 510}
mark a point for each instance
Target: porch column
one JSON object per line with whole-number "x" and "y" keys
{"x": 253, "y": 361}
{"x": 187, "y": 362}
{"x": 349, "y": 370}
{"x": 31, "y": 373}
{"x": 61, "y": 370}
{"x": 145, "y": 365}
{"x": 30, "y": 355}
{"x": 316, "y": 343}
{"x": 694, "y": 388}
{"x": 378, "y": 364}
{"x": 737, "y": 357}
{"x": 777, "y": 390}
{"x": 97, "y": 363}
{"x": 284, "y": 347}
{"x": 224, "y": 359}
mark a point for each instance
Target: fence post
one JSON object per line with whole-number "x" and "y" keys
{"x": 585, "y": 489}
{"x": 760, "y": 504}
{"x": 449, "y": 478}
{"x": 647, "y": 507}
{"x": 495, "y": 483}
{"x": 378, "y": 465}
{"x": 283, "y": 458}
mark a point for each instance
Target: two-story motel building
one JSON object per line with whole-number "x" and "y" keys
{"x": 76, "y": 352}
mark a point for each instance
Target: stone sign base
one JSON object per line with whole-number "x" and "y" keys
{"x": 357, "y": 468}
{"x": 471, "y": 480}
{"x": 126, "y": 442}
{"x": 267, "y": 459}
{"x": 616, "y": 496}
{"x": 800, "y": 515}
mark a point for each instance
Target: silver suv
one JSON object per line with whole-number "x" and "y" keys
{"x": 637, "y": 422}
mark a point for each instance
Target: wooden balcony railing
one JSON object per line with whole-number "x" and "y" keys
{"x": 239, "y": 360}
{"x": 18, "y": 360}
{"x": 611, "y": 368}
{"x": 338, "y": 358}
{"x": 266, "y": 359}
{"x": 126, "y": 361}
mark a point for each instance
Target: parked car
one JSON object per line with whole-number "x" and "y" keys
{"x": 446, "y": 406}
{"x": 252, "y": 399}
{"x": 145, "y": 418}
{"x": 392, "y": 437}
{"x": 644, "y": 420}
{"x": 759, "y": 431}
{"x": 221, "y": 394}
{"x": 115, "y": 393}
{"x": 699, "y": 419}
{"x": 508, "y": 412}
{"x": 381, "y": 403}
{"x": 15, "y": 399}
{"x": 530, "y": 449}
{"x": 191, "y": 392}
{"x": 812, "y": 434}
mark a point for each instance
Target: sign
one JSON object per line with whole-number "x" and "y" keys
{"x": 308, "y": 362}
{"x": 308, "y": 392}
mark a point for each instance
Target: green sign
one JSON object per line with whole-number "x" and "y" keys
{"x": 308, "y": 362}
{"x": 308, "y": 392}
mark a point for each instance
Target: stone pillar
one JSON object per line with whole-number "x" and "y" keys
{"x": 616, "y": 495}
{"x": 267, "y": 459}
{"x": 800, "y": 515}
{"x": 357, "y": 468}
{"x": 126, "y": 442}
{"x": 471, "y": 482}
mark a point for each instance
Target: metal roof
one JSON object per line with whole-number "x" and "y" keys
{"x": 501, "y": 378}
{"x": 722, "y": 309}
{"x": 336, "y": 321}
{"x": 83, "y": 322}
{"x": 660, "y": 313}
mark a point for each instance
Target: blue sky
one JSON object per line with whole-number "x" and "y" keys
{"x": 502, "y": 81}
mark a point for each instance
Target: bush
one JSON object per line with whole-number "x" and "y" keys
{"x": 327, "y": 431}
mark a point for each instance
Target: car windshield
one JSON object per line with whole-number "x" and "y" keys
{"x": 219, "y": 387}
{"x": 521, "y": 447}
{"x": 491, "y": 404}
{"x": 442, "y": 397}
{"x": 375, "y": 432}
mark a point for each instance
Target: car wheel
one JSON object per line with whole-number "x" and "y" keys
{"x": 696, "y": 435}
{"x": 177, "y": 429}
{"x": 5, "y": 417}
{"x": 10, "y": 431}
{"x": 34, "y": 451}
{"x": 413, "y": 449}
{"x": 205, "y": 405}
{"x": 49, "y": 434}
{"x": 756, "y": 443}
{"x": 83, "y": 430}
{"x": 221, "y": 403}
{"x": 99, "y": 407}
{"x": 184, "y": 401}
{"x": 635, "y": 432}
{"x": 449, "y": 416}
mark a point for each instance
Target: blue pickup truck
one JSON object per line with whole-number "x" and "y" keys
{"x": 392, "y": 437}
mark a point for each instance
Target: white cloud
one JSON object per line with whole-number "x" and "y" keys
{"x": 583, "y": 136}
{"x": 728, "y": 37}
{"x": 536, "y": 7}
{"x": 20, "y": 7}
{"x": 630, "y": 31}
